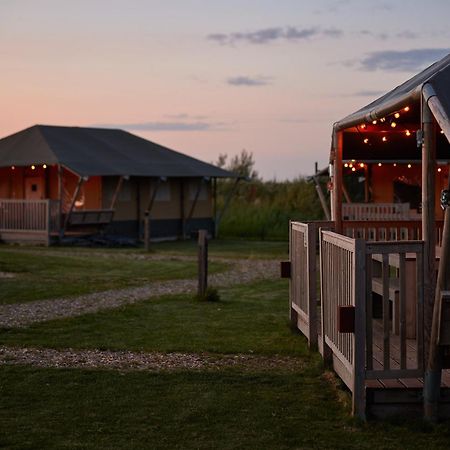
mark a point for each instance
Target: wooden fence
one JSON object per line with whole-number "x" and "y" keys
{"x": 31, "y": 220}
{"x": 303, "y": 247}
{"x": 376, "y": 211}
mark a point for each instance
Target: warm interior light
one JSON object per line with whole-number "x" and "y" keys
{"x": 362, "y": 126}
{"x": 397, "y": 115}
{"x": 33, "y": 167}
{"x": 383, "y": 119}
{"x": 384, "y": 139}
{"x": 379, "y": 164}
{"x": 361, "y": 164}
{"x": 408, "y": 133}
{"x": 395, "y": 164}
{"x": 374, "y": 122}
{"x": 350, "y": 165}
{"x": 409, "y": 166}
{"x": 44, "y": 166}
{"x": 353, "y": 169}
{"x": 13, "y": 168}
{"x": 366, "y": 141}
{"x": 406, "y": 108}
{"x": 442, "y": 131}
{"x": 345, "y": 165}
{"x": 439, "y": 169}
{"x": 353, "y": 160}
{"x": 393, "y": 124}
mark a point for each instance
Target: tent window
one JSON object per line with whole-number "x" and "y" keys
{"x": 163, "y": 193}
{"x": 193, "y": 188}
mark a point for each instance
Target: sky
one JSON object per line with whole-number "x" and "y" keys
{"x": 208, "y": 77}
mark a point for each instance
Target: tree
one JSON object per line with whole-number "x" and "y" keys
{"x": 242, "y": 164}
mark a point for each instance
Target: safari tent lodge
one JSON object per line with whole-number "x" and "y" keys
{"x": 60, "y": 181}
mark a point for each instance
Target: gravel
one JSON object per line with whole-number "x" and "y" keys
{"x": 24, "y": 314}
{"x": 132, "y": 361}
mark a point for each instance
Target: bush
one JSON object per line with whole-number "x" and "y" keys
{"x": 211, "y": 295}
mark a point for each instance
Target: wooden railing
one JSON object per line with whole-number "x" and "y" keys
{"x": 376, "y": 211}
{"x": 388, "y": 230}
{"x": 303, "y": 247}
{"x": 353, "y": 273}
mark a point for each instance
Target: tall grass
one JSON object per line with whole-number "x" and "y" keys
{"x": 262, "y": 209}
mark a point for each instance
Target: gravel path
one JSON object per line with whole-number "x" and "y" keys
{"x": 129, "y": 361}
{"x": 24, "y": 314}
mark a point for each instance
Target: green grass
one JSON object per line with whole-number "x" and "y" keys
{"x": 248, "y": 319}
{"x": 39, "y": 276}
{"x": 62, "y": 409}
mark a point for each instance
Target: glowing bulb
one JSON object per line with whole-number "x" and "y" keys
{"x": 361, "y": 164}
{"x": 379, "y": 164}
{"x": 397, "y": 115}
{"x": 366, "y": 141}
{"x": 406, "y": 108}
{"x": 44, "y": 166}
{"x": 383, "y": 119}
{"x": 374, "y": 122}
{"x": 362, "y": 126}
{"x": 408, "y": 133}
{"x": 350, "y": 165}
{"x": 353, "y": 169}
{"x": 384, "y": 139}
{"x": 393, "y": 124}
{"x": 33, "y": 167}
{"x": 442, "y": 131}
{"x": 345, "y": 165}
{"x": 409, "y": 166}
{"x": 353, "y": 160}
{"x": 395, "y": 164}
{"x": 439, "y": 169}
{"x": 13, "y": 168}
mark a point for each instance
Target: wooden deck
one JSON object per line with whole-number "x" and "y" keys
{"x": 373, "y": 338}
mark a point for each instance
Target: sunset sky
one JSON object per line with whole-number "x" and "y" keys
{"x": 210, "y": 77}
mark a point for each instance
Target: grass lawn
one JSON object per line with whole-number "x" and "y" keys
{"x": 39, "y": 276}
{"x": 273, "y": 409}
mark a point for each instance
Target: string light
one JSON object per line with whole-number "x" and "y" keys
{"x": 442, "y": 131}
{"x": 393, "y": 124}
{"x": 383, "y": 119}
{"x": 384, "y": 139}
{"x": 366, "y": 141}
{"x": 361, "y": 164}
{"x": 44, "y": 166}
{"x": 362, "y": 126}
{"x": 408, "y": 133}
{"x": 346, "y": 165}
{"x": 33, "y": 167}
{"x": 379, "y": 164}
{"x": 374, "y": 122}
{"x": 409, "y": 166}
{"x": 439, "y": 169}
{"x": 397, "y": 115}
{"x": 350, "y": 165}
{"x": 406, "y": 108}
{"x": 353, "y": 169}
{"x": 13, "y": 167}
{"x": 395, "y": 164}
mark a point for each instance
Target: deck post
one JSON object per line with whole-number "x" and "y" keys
{"x": 312, "y": 230}
{"x": 337, "y": 180}
{"x": 60, "y": 206}
{"x": 72, "y": 204}
{"x": 431, "y": 352}
{"x": 293, "y": 316}
{"x": 359, "y": 389}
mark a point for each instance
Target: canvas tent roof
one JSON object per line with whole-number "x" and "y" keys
{"x": 100, "y": 151}
{"x": 437, "y": 79}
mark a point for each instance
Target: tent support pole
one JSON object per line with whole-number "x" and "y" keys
{"x": 194, "y": 203}
{"x": 147, "y": 214}
{"x": 337, "y": 180}
{"x": 116, "y": 192}
{"x": 182, "y": 211}
{"x": 432, "y": 291}
{"x": 60, "y": 202}
{"x": 323, "y": 202}
{"x": 72, "y": 204}
{"x": 215, "y": 206}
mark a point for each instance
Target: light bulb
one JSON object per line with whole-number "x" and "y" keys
{"x": 33, "y": 167}
{"x": 44, "y": 166}
{"x": 353, "y": 169}
{"x": 379, "y": 164}
{"x": 374, "y": 122}
{"x": 395, "y": 164}
{"x": 361, "y": 164}
{"x": 408, "y": 133}
{"x": 362, "y": 126}
{"x": 393, "y": 124}
{"x": 439, "y": 169}
{"x": 384, "y": 139}
{"x": 366, "y": 141}
{"x": 397, "y": 115}
{"x": 409, "y": 166}
{"x": 406, "y": 108}
{"x": 345, "y": 165}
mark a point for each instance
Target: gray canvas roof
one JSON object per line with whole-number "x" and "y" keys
{"x": 437, "y": 75}
{"x": 100, "y": 151}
